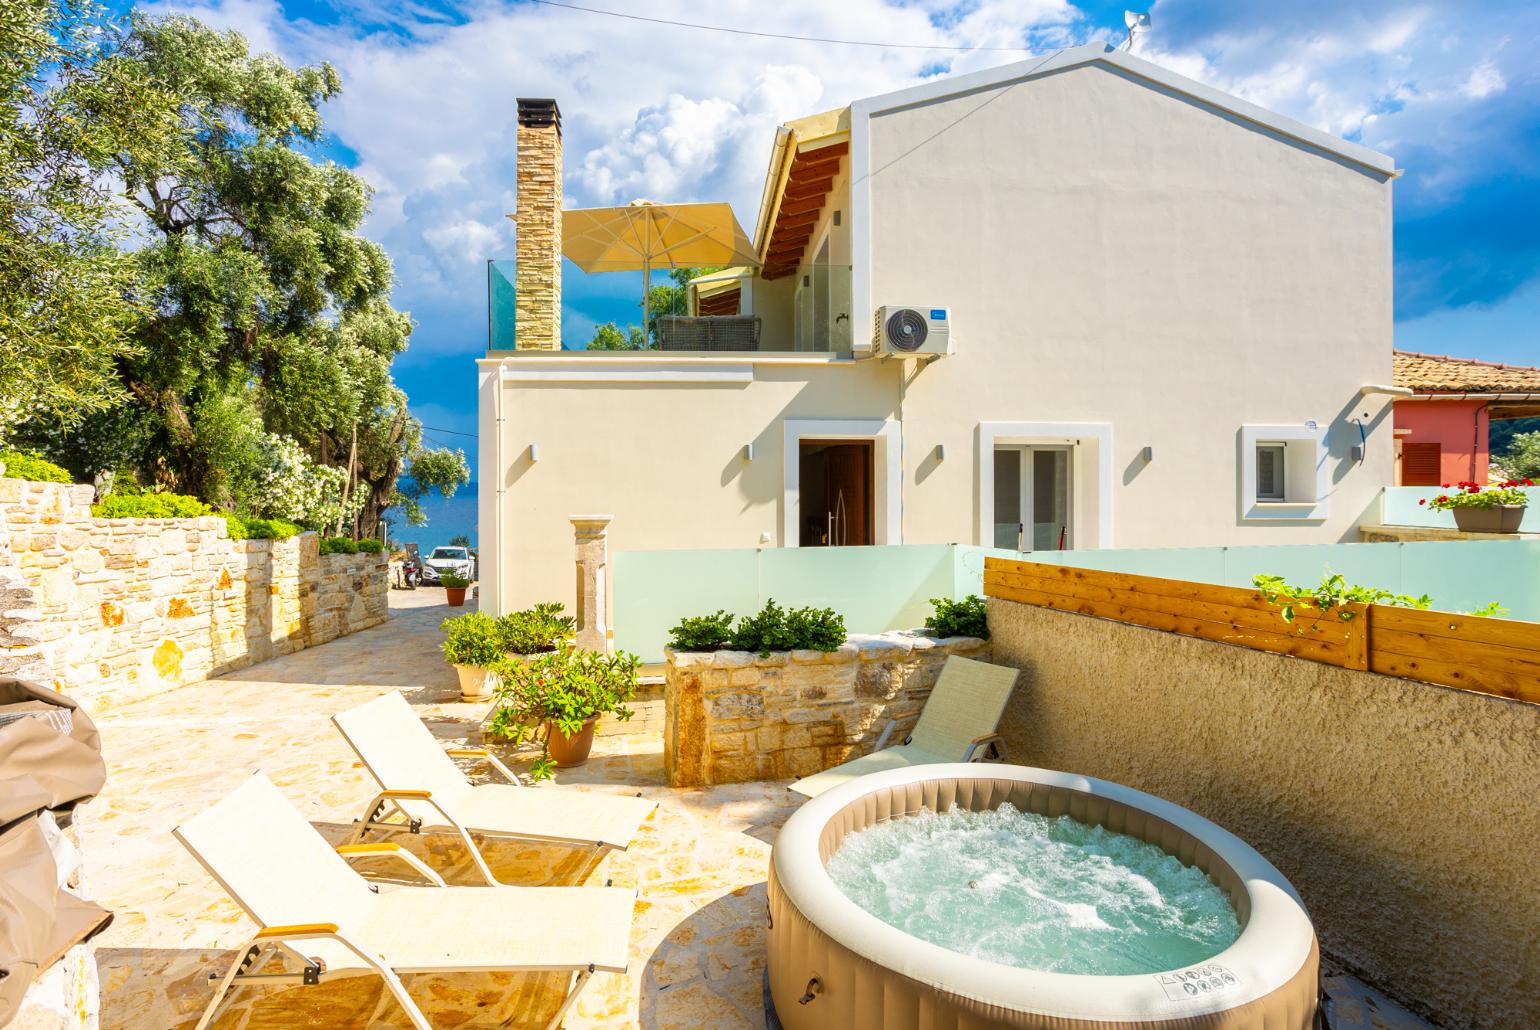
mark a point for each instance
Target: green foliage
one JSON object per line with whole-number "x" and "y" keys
{"x": 150, "y": 506}
{"x": 242, "y": 301}
{"x": 24, "y": 465}
{"x": 371, "y": 546}
{"x": 67, "y": 112}
{"x": 672, "y": 298}
{"x": 270, "y": 529}
{"x": 453, "y": 581}
{"x": 537, "y": 629}
{"x": 339, "y": 545}
{"x": 1522, "y": 458}
{"x": 702, "y": 633}
{"x": 1501, "y": 437}
{"x": 235, "y": 525}
{"x": 433, "y": 469}
{"x": 772, "y": 628}
{"x": 460, "y": 540}
{"x": 559, "y": 691}
{"x": 610, "y": 336}
{"x": 1334, "y": 593}
{"x": 966, "y": 618}
{"x": 475, "y": 639}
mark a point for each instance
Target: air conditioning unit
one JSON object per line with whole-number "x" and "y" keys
{"x": 913, "y": 330}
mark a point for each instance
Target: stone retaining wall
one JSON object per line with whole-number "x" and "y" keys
{"x": 735, "y": 717}
{"x": 109, "y": 610}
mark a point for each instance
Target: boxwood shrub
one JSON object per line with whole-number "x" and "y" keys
{"x": 772, "y": 628}
{"x": 26, "y": 465}
{"x": 150, "y": 506}
{"x": 339, "y": 545}
{"x": 966, "y": 618}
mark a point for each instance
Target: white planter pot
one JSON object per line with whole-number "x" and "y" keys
{"x": 476, "y": 683}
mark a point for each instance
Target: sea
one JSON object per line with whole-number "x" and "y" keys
{"x": 446, "y": 520}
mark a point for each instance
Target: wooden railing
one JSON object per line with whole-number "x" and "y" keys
{"x": 1491, "y": 656}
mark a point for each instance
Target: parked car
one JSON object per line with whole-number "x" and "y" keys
{"x": 449, "y": 559}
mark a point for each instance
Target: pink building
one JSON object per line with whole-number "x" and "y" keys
{"x": 1441, "y": 429}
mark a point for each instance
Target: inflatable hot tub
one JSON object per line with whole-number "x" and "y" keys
{"x": 834, "y": 965}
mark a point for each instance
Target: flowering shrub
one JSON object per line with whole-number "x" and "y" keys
{"x": 291, "y": 486}
{"x": 1473, "y": 495}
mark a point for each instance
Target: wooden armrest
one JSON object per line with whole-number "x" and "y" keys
{"x": 984, "y": 739}
{"x": 467, "y": 752}
{"x": 379, "y": 848}
{"x": 407, "y": 795}
{"x": 296, "y": 930}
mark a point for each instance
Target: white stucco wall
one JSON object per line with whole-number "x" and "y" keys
{"x": 1112, "y": 253}
{"x": 1115, "y": 254}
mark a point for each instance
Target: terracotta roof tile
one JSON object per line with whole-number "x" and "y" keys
{"x": 1432, "y": 373}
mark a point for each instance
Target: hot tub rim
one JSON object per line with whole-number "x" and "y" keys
{"x": 1276, "y": 940}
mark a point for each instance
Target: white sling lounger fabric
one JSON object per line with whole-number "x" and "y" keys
{"x": 966, "y": 703}
{"x": 284, "y": 874}
{"x": 402, "y": 754}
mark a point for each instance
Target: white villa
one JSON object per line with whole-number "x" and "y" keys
{"x": 1156, "y": 316}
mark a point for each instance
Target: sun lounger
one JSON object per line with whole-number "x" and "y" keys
{"x": 958, "y": 724}
{"x": 422, "y": 789}
{"x": 314, "y": 909}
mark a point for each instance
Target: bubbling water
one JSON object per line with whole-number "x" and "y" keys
{"x": 1050, "y": 894}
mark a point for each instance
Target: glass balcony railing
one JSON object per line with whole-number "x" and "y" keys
{"x": 803, "y": 309}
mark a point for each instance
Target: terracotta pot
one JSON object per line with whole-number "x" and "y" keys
{"x": 455, "y": 596}
{"x": 476, "y": 683}
{"x": 1500, "y": 518}
{"x": 569, "y": 751}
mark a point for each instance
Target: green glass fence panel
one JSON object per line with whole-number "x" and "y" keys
{"x": 655, "y": 589}
{"x": 1399, "y": 507}
{"x": 500, "y": 306}
{"x": 1466, "y": 575}
{"x": 874, "y": 588}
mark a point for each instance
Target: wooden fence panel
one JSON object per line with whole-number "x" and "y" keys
{"x": 1490, "y": 656}
{"x": 1229, "y": 615}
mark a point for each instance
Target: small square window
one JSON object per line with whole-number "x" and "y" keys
{"x": 1271, "y": 472}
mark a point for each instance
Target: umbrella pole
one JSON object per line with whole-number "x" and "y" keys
{"x": 647, "y": 302}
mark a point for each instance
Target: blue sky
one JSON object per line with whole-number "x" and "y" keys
{"x": 1450, "y": 89}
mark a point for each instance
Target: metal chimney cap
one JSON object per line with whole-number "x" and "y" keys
{"x": 538, "y": 113}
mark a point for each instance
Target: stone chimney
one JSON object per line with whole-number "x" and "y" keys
{"x": 537, "y": 251}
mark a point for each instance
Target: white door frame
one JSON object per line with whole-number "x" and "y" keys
{"x": 1090, "y": 445}
{"x": 887, "y": 476}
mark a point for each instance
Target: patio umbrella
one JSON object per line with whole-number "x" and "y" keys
{"x": 645, "y": 235}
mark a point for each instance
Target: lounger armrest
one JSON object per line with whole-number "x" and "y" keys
{"x": 488, "y": 757}
{"x": 268, "y": 933}
{"x": 386, "y": 848}
{"x": 981, "y": 743}
{"x": 887, "y": 731}
{"x": 406, "y": 795}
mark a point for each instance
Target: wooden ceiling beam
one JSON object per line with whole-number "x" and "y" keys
{"x": 797, "y": 207}
{"x": 811, "y": 188}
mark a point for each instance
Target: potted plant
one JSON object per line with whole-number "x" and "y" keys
{"x": 454, "y": 588}
{"x": 536, "y": 630}
{"x": 555, "y": 699}
{"x": 473, "y": 644}
{"x": 1498, "y": 508}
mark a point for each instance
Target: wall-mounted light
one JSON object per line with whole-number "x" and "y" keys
{"x": 534, "y": 453}
{"x": 836, "y": 218}
{"x": 748, "y": 452}
{"x": 941, "y": 452}
{"x": 1148, "y": 454}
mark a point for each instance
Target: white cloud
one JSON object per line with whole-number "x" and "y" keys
{"x": 1484, "y": 81}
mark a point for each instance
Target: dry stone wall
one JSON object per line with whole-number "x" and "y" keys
{"x": 109, "y": 610}
{"x": 735, "y": 717}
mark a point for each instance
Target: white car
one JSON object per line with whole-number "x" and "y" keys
{"x": 457, "y": 560}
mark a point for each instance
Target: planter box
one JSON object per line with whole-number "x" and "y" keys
{"x": 735, "y": 717}
{"x": 1500, "y": 518}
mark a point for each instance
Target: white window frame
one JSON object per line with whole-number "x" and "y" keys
{"x": 887, "y": 474}
{"x": 1306, "y": 475}
{"x": 1090, "y": 445}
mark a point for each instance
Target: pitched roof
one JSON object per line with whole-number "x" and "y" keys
{"x": 1434, "y": 373}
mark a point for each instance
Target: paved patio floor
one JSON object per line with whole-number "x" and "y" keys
{"x": 697, "y": 947}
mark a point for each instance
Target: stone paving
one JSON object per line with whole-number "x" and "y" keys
{"x": 697, "y": 946}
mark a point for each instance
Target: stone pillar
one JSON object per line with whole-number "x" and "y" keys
{"x": 592, "y": 535}
{"x": 537, "y": 250}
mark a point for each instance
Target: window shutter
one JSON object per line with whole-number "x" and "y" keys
{"x": 1270, "y": 472}
{"x": 1420, "y": 464}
